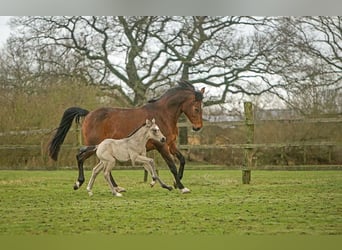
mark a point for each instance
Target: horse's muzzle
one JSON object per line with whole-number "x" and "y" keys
{"x": 196, "y": 128}
{"x": 163, "y": 139}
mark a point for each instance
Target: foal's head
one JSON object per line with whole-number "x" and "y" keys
{"x": 154, "y": 131}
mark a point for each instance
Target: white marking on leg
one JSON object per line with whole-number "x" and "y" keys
{"x": 89, "y": 191}
{"x": 152, "y": 183}
{"x": 185, "y": 190}
{"x": 120, "y": 189}
{"x": 118, "y": 195}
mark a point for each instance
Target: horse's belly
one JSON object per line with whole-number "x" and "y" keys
{"x": 111, "y": 123}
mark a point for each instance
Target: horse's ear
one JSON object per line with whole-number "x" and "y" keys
{"x": 148, "y": 123}
{"x": 202, "y": 90}
{"x": 153, "y": 121}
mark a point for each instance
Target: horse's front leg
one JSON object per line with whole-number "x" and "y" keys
{"x": 165, "y": 153}
{"x": 181, "y": 159}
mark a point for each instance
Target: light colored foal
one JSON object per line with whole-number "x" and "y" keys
{"x": 131, "y": 148}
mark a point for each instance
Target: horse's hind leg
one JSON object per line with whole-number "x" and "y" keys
{"x": 96, "y": 171}
{"x": 81, "y": 157}
{"x": 116, "y": 187}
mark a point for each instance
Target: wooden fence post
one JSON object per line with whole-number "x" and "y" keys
{"x": 248, "y": 161}
{"x": 78, "y": 134}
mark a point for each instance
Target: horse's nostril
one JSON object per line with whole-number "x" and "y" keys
{"x": 163, "y": 139}
{"x": 196, "y": 128}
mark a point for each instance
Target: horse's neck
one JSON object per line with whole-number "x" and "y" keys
{"x": 172, "y": 107}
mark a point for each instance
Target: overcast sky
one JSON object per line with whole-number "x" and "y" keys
{"x": 4, "y": 29}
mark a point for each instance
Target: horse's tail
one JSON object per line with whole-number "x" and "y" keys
{"x": 69, "y": 115}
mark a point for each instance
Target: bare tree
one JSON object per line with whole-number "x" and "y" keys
{"x": 233, "y": 55}
{"x": 143, "y": 53}
{"x": 312, "y": 46}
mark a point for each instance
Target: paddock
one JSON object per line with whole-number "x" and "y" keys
{"x": 274, "y": 203}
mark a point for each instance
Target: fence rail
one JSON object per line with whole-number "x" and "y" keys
{"x": 248, "y": 148}
{"x": 261, "y": 145}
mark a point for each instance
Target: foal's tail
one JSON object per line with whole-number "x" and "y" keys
{"x": 62, "y": 130}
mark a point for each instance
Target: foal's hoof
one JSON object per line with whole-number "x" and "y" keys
{"x": 120, "y": 189}
{"x": 118, "y": 195}
{"x": 185, "y": 190}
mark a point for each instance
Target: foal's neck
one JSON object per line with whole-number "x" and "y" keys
{"x": 140, "y": 137}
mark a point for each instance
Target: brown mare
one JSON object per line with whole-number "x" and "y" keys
{"x": 118, "y": 123}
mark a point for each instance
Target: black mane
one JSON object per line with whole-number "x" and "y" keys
{"x": 182, "y": 85}
{"x": 136, "y": 130}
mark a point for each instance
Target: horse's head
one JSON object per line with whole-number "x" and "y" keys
{"x": 154, "y": 131}
{"x": 192, "y": 108}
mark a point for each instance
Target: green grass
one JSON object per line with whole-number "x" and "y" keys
{"x": 276, "y": 202}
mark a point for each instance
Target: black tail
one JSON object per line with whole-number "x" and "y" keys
{"x": 62, "y": 130}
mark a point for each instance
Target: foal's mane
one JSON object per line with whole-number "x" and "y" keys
{"x": 182, "y": 85}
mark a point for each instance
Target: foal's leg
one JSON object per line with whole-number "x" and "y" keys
{"x": 107, "y": 172}
{"x": 83, "y": 154}
{"x": 116, "y": 187}
{"x": 149, "y": 166}
{"x": 96, "y": 171}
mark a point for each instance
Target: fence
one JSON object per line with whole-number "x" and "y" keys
{"x": 34, "y": 151}
{"x": 250, "y": 148}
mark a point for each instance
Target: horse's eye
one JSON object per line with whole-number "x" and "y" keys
{"x": 197, "y": 110}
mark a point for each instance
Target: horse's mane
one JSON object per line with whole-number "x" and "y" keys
{"x": 136, "y": 130}
{"x": 182, "y": 85}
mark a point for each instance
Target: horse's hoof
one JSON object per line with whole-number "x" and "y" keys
{"x": 90, "y": 193}
{"x": 185, "y": 190}
{"x": 169, "y": 188}
{"x": 118, "y": 195}
{"x": 77, "y": 185}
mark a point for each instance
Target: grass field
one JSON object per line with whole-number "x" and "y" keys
{"x": 276, "y": 202}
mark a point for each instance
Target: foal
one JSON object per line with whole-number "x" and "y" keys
{"x": 131, "y": 148}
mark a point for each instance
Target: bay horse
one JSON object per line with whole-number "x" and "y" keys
{"x": 132, "y": 148}
{"x": 118, "y": 123}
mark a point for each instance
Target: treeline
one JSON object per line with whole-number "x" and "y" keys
{"x": 40, "y": 111}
